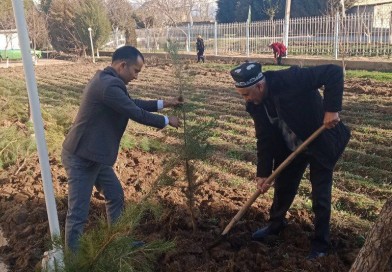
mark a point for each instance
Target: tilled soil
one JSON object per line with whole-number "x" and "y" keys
{"x": 24, "y": 222}
{"x": 23, "y": 217}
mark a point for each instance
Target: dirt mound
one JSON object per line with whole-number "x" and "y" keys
{"x": 24, "y": 222}
{"x": 368, "y": 86}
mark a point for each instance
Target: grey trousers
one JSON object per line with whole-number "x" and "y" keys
{"x": 83, "y": 175}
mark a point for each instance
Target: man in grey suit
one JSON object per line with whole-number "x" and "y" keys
{"x": 90, "y": 149}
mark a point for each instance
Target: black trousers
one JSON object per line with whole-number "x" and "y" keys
{"x": 279, "y": 60}
{"x": 200, "y": 55}
{"x": 286, "y": 186}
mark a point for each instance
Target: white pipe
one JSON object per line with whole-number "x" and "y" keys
{"x": 247, "y": 38}
{"x": 31, "y": 85}
{"x": 188, "y": 45}
{"x": 287, "y": 24}
{"x": 92, "y": 46}
{"x": 216, "y": 38}
{"x": 336, "y": 45}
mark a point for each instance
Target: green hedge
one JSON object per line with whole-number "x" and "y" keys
{"x": 16, "y": 54}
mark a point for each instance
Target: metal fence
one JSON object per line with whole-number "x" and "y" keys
{"x": 353, "y": 35}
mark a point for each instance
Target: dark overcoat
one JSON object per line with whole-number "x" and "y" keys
{"x": 294, "y": 94}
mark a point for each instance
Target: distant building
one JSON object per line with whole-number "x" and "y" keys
{"x": 381, "y": 9}
{"x": 9, "y": 39}
{"x": 10, "y": 48}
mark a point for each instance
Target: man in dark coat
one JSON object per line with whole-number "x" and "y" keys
{"x": 90, "y": 149}
{"x": 280, "y": 51}
{"x": 200, "y": 48}
{"x": 287, "y": 108}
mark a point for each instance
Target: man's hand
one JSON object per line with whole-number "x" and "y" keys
{"x": 174, "y": 102}
{"x": 263, "y": 185}
{"x": 331, "y": 119}
{"x": 174, "y": 121}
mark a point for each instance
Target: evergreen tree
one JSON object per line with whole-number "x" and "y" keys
{"x": 241, "y": 10}
{"x": 69, "y": 20}
{"x": 257, "y": 10}
{"x": 226, "y": 12}
{"x": 115, "y": 248}
{"x": 195, "y": 147}
{"x": 61, "y": 25}
{"x": 92, "y": 13}
{"x": 306, "y": 8}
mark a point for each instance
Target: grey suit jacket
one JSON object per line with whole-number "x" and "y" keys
{"x": 103, "y": 115}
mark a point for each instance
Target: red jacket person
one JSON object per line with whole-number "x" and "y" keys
{"x": 279, "y": 51}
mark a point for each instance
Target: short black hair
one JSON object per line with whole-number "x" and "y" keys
{"x": 127, "y": 53}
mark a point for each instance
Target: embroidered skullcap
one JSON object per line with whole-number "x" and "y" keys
{"x": 247, "y": 74}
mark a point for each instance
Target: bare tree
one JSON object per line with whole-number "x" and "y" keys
{"x": 203, "y": 10}
{"x": 160, "y": 14}
{"x": 270, "y": 8}
{"x": 175, "y": 11}
{"x": 38, "y": 32}
{"x": 146, "y": 15}
{"x": 121, "y": 16}
{"x": 334, "y": 6}
{"x": 6, "y": 16}
{"x": 7, "y": 23}
{"x": 35, "y": 23}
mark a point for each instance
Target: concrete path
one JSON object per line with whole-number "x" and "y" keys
{"x": 40, "y": 62}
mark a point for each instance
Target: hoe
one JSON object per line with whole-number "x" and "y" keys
{"x": 272, "y": 177}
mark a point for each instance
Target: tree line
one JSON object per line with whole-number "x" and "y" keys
{"x": 230, "y": 11}
{"x": 63, "y": 24}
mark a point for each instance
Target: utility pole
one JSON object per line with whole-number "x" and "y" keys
{"x": 286, "y": 23}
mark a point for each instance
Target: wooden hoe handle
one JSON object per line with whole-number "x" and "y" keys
{"x": 278, "y": 170}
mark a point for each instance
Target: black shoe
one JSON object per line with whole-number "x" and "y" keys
{"x": 271, "y": 229}
{"x": 316, "y": 254}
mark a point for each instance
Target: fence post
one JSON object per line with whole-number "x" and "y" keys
{"x": 116, "y": 37}
{"x": 336, "y": 35}
{"x": 148, "y": 40}
{"x": 216, "y": 38}
{"x": 390, "y": 29}
{"x": 247, "y": 38}
{"x": 188, "y": 39}
{"x": 167, "y": 37}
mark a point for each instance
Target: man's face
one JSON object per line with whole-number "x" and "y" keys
{"x": 253, "y": 94}
{"x": 129, "y": 72}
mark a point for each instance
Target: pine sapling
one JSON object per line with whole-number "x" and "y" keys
{"x": 195, "y": 147}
